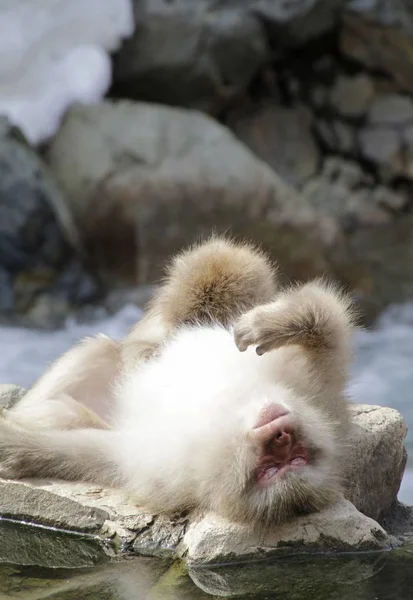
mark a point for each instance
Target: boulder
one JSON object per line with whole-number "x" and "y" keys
{"x": 372, "y": 472}
{"x": 40, "y": 250}
{"x": 213, "y": 540}
{"x": 372, "y": 249}
{"x": 375, "y": 459}
{"x": 282, "y": 137}
{"x": 203, "y": 53}
{"x": 379, "y": 35}
{"x": 143, "y": 180}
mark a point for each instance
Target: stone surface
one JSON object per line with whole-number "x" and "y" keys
{"x": 282, "y": 137}
{"x": 391, "y": 109}
{"x": 9, "y": 395}
{"x": 378, "y": 33}
{"x": 372, "y": 472}
{"x": 204, "y": 53}
{"x": 294, "y": 22}
{"x": 25, "y": 503}
{"x": 382, "y": 145}
{"x": 213, "y": 540}
{"x": 345, "y": 136}
{"x": 39, "y": 243}
{"x": 30, "y": 545}
{"x": 351, "y": 96}
{"x": 372, "y": 249}
{"x": 190, "y": 53}
{"x": 144, "y": 180}
{"x": 376, "y": 461}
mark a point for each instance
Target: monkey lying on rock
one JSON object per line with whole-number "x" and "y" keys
{"x": 227, "y": 396}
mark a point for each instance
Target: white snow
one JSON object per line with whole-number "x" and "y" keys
{"x": 54, "y": 53}
{"x": 382, "y": 372}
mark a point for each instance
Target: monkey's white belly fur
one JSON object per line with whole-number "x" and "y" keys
{"x": 178, "y": 411}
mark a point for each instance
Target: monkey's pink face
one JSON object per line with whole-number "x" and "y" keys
{"x": 282, "y": 449}
{"x": 282, "y": 466}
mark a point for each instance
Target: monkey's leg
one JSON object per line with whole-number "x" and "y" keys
{"x": 75, "y": 455}
{"x": 144, "y": 340}
{"x": 315, "y": 320}
{"x": 76, "y": 390}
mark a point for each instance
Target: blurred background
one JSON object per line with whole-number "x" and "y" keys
{"x": 130, "y": 128}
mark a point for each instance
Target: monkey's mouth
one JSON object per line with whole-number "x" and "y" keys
{"x": 270, "y": 467}
{"x": 282, "y": 449}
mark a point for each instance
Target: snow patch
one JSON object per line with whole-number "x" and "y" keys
{"x": 54, "y": 53}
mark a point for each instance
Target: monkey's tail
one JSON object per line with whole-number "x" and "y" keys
{"x": 215, "y": 281}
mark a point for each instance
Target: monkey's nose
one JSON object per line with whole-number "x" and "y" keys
{"x": 282, "y": 438}
{"x": 279, "y": 430}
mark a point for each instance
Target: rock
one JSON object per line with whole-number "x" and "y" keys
{"x": 372, "y": 248}
{"x": 282, "y": 137}
{"x": 30, "y": 545}
{"x": 379, "y": 35}
{"x": 21, "y": 502}
{"x": 213, "y": 540}
{"x": 39, "y": 243}
{"x": 326, "y": 133}
{"x": 319, "y": 96}
{"x": 374, "y": 467}
{"x": 351, "y": 96}
{"x": 162, "y": 539}
{"x": 190, "y": 53}
{"x": 383, "y": 146}
{"x": 143, "y": 180}
{"x": 10, "y": 394}
{"x": 345, "y": 136}
{"x": 203, "y": 53}
{"x": 294, "y": 22}
{"x": 391, "y": 109}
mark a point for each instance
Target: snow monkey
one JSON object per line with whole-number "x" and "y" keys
{"x": 227, "y": 396}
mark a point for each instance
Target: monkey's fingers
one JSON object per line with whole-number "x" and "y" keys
{"x": 244, "y": 332}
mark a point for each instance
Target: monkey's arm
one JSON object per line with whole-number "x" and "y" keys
{"x": 75, "y": 455}
{"x": 314, "y": 322}
{"x": 75, "y": 392}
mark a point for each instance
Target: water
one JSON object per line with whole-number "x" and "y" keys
{"x": 385, "y": 576}
{"x": 382, "y": 370}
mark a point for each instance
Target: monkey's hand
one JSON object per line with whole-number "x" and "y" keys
{"x": 316, "y": 316}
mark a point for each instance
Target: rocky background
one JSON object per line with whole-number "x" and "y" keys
{"x": 287, "y": 122}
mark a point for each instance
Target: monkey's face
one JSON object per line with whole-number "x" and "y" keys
{"x": 282, "y": 463}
